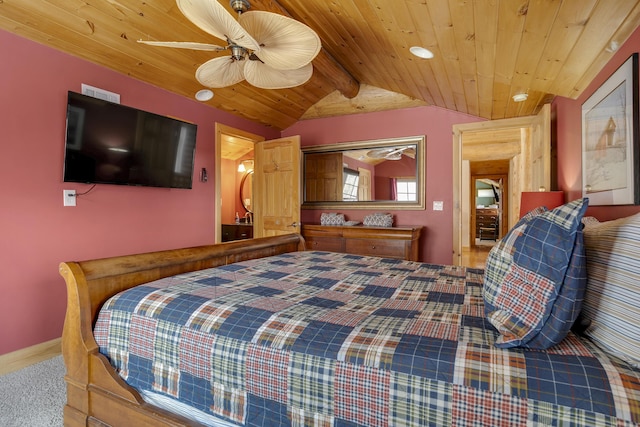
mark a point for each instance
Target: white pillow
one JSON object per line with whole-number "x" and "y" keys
{"x": 611, "y": 308}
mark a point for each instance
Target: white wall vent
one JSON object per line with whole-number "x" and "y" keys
{"x": 100, "y": 93}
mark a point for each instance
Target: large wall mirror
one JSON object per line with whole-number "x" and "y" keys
{"x": 383, "y": 173}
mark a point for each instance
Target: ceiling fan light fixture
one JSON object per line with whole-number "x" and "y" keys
{"x": 520, "y": 97}
{"x": 204, "y": 95}
{"x": 245, "y": 166}
{"x": 238, "y": 52}
{"x": 421, "y": 52}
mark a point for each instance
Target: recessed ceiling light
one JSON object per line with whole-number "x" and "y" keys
{"x": 421, "y": 52}
{"x": 519, "y": 97}
{"x": 204, "y": 95}
{"x": 612, "y": 47}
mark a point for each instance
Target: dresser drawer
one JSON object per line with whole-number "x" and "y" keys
{"x": 376, "y": 247}
{"x": 388, "y": 242}
{"x": 329, "y": 244}
{"x": 487, "y": 221}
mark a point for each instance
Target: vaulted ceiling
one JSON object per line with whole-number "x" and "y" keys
{"x": 485, "y": 51}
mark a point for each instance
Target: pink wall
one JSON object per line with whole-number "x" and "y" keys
{"x": 37, "y": 232}
{"x": 436, "y": 123}
{"x": 567, "y": 115}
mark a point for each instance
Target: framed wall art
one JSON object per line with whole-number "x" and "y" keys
{"x": 610, "y": 152}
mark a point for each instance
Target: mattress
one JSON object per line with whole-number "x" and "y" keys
{"x": 319, "y": 338}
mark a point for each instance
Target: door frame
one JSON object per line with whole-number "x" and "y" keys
{"x": 525, "y": 141}
{"x": 222, "y": 130}
{"x": 503, "y": 204}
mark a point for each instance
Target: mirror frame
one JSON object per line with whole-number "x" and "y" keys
{"x": 419, "y": 204}
{"x": 242, "y": 183}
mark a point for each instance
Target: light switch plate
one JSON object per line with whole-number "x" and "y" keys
{"x": 438, "y": 205}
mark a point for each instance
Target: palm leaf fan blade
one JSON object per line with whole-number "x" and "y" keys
{"x": 211, "y": 17}
{"x": 265, "y": 77}
{"x": 184, "y": 45}
{"x": 285, "y": 44}
{"x": 220, "y": 72}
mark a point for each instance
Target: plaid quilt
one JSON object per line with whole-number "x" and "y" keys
{"x": 329, "y": 339}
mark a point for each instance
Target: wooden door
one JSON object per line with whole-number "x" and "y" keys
{"x": 323, "y": 177}
{"x": 364, "y": 185}
{"x": 277, "y": 187}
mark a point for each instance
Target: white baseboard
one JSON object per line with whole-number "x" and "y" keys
{"x": 22, "y": 358}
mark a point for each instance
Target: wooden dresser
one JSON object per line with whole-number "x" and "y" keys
{"x": 487, "y": 224}
{"x": 388, "y": 242}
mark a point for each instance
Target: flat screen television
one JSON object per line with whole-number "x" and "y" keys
{"x": 109, "y": 143}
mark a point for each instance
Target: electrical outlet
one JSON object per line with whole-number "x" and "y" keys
{"x": 69, "y": 197}
{"x": 438, "y": 205}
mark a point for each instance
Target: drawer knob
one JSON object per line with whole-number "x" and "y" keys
{"x": 373, "y": 247}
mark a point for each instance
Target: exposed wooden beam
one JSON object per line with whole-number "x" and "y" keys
{"x": 325, "y": 63}
{"x": 332, "y": 70}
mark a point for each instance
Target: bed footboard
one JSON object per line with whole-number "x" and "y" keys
{"x": 96, "y": 395}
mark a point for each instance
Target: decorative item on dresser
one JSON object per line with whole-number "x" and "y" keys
{"x": 487, "y": 223}
{"x": 388, "y": 242}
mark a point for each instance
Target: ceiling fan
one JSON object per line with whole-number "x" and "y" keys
{"x": 268, "y": 50}
{"x": 391, "y": 153}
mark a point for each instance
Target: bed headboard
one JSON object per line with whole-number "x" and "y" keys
{"x": 104, "y": 277}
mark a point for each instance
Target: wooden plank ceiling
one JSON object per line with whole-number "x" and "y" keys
{"x": 485, "y": 51}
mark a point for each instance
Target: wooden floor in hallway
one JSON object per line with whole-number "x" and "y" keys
{"x": 476, "y": 256}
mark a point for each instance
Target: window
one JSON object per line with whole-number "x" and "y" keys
{"x": 350, "y": 187}
{"x": 406, "y": 190}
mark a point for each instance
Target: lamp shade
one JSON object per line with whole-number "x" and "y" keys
{"x": 530, "y": 200}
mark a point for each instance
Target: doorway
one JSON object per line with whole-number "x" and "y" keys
{"x": 525, "y": 142}
{"x": 489, "y": 201}
{"x": 232, "y": 147}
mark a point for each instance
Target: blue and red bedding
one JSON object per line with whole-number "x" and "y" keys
{"x": 316, "y": 338}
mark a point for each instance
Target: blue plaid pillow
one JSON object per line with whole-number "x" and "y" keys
{"x": 536, "y": 292}
{"x": 500, "y": 259}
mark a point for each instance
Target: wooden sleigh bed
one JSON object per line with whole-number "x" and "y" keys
{"x": 392, "y": 342}
{"x": 96, "y": 395}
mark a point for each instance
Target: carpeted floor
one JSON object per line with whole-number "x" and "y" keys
{"x": 33, "y": 396}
